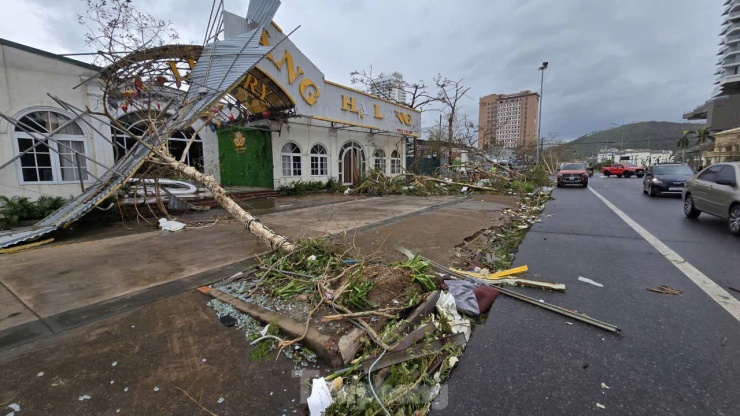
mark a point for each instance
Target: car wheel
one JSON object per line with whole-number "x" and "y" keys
{"x": 689, "y": 209}
{"x": 607, "y": 173}
{"x": 585, "y": 184}
{"x": 734, "y": 220}
{"x": 627, "y": 174}
{"x": 559, "y": 185}
{"x": 644, "y": 190}
{"x": 651, "y": 191}
{"x": 619, "y": 176}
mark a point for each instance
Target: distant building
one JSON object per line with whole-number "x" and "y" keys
{"x": 508, "y": 120}
{"x": 389, "y": 86}
{"x": 606, "y": 154}
{"x": 722, "y": 111}
{"x": 644, "y": 157}
{"x": 726, "y": 148}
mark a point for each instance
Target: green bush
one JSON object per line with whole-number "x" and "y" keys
{"x": 302, "y": 188}
{"x": 21, "y": 208}
{"x": 538, "y": 176}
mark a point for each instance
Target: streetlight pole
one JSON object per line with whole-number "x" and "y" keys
{"x": 539, "y": 113}
{"x": 621, "y": 131}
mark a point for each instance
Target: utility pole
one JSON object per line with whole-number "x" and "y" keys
{"x": 538, "y": 143}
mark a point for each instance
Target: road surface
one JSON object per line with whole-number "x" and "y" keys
{"x": 675, "y": 355}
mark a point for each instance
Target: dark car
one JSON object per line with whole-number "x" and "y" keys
{"x": 666, "y": 178}
{"x": 572, "y": 174}
{"x": 715, "y": 191}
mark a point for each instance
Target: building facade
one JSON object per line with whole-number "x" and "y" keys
{"x": 726, "y": 148}
{"x": 389, "y": 86}
{"x": 508, "y": 120}
{"x": 722, "y": 111}
{"x": 330, "y": 131}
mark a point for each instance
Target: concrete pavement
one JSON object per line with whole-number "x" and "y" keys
{"x": 52, "y": 289}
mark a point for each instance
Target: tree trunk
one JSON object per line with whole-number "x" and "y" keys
{"x": 252, "y": 224}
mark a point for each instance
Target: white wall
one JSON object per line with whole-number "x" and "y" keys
{"x": 307, "y": 132}
{"x": 25, "y": 80}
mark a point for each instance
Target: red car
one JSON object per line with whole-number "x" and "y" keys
{"x": 572, "y": 174}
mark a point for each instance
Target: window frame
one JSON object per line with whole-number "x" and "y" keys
{"x": 319, "y": 159}
{"x": 397, "y": 161}
{"x": 293, "y": 158}
{"x": 712, "y": 169}
{"x": 379, "y": 158}
{"x": 54, "y": 150}
{"x": 728, "y": 168}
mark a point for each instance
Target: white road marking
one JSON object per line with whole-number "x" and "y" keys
{"x": 715, "y": 291}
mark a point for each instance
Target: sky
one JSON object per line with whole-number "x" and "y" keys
{"x": 610, "y": 61}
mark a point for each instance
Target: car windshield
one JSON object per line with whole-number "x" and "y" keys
{"x": 673, "y": 170}
{"x": 573, "y": 166}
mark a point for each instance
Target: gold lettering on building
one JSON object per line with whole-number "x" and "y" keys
{"x": 404, "y": 118}
{"x": 377, "y": 112}
{"x": 309, "y": 91}
{"x": 293, "y": 71}
{"x": 349, "y": 104}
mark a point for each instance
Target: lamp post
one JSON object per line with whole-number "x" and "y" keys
{"x": 539, "y": 114}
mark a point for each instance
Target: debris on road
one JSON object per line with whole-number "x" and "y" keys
{"x": 84, "y": 397}
{"x": 600, "y": 406}
{"x": 666, "y": 290}
{"x": 587, "y": 280}
{"x": 734, "y": 288}
{"x": 604, "y": 386}
{"x": 320, "y": 398}
{"x": 170, "y": 225}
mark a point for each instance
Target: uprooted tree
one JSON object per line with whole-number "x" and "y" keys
{"x": 131, "y": 46}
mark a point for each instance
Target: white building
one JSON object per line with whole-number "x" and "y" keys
{"x": 329, "y": 130}
{"x": 644, "y": 157}
{"x": 728, "y": 63}
{"x": 606, "y": 154}
{"x": 389, "y": 86}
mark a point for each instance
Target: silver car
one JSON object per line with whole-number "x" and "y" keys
{"x": 715, "y": 191}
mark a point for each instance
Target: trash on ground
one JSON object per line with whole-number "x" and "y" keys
{"x": 15, "y": 406}
{"x": 40, "y": 374}
{"x": 666, "y": 290}
{"x": 170, "y": 225}
{"x": 465, "y": 299}
{"x": 84, "y": 397}
{"x": 220, "y": 400}
{"x": 320, "y": 397}
{"x": 156, "y": 388}
{"x": 228, "y": 321}
{"x": 115, "y": 363}
{"x": 587, "y": 280}
{"x": 600, "y": 406}
{"x": 604, "y": 386}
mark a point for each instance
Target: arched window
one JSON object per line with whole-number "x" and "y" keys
{"x": 291, "y": 158}
{"x": 319, "y": 160}
{"x": 395, "y": 163}
{"x": 379, "y": 157}
{"x": 67, "y": 147}
{"x": 122, "y": 142}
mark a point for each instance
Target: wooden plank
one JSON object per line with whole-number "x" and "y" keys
{"x": 18, "y": 249}
{"x": 416, "y": 351}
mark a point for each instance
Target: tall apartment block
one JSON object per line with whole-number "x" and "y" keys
{"x": 722, "y": 111}
{"x": 508, "y": 120}
{"x": 389, "y": 86}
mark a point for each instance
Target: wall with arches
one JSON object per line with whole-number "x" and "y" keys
{"x": 293, "y": 143}
{"x": 27, "y": 78}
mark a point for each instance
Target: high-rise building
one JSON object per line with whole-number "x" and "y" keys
{"x": 389, "y": 86}
{"x": 722, "y": 111}
{"x": 508, "y": 120}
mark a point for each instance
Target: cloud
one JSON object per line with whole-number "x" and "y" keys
{"x": 609, "y": 61}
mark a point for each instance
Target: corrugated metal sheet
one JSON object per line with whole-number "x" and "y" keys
{"x": 220, "y": 66}
{"x": 262, "y": 12}
{"x": 234, "y": 25}
{"x": 224, "y": 63}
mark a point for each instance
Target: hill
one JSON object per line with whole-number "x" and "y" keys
{"x": 654, "y": 135}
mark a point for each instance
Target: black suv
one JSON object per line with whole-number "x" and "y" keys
{"x": 666, "y": 178}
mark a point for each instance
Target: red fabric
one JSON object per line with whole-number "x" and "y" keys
{"x": 485, "y": 296}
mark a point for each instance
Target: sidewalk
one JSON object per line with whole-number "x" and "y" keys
{"x": 166, "y": 337}
{"x": 50, "y": 289}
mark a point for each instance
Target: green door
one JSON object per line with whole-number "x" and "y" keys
{"x": 245, "y": 157}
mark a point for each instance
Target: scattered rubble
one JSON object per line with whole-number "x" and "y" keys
{"x": 666, "y": 290}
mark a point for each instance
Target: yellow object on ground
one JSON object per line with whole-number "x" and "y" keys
{"x": 24, "y": 247}
{"x": 497, "y": 275}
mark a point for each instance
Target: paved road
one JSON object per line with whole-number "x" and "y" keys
{"x": 676, "y": 355}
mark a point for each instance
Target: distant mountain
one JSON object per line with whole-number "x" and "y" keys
{"x": 654, "y": 135}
